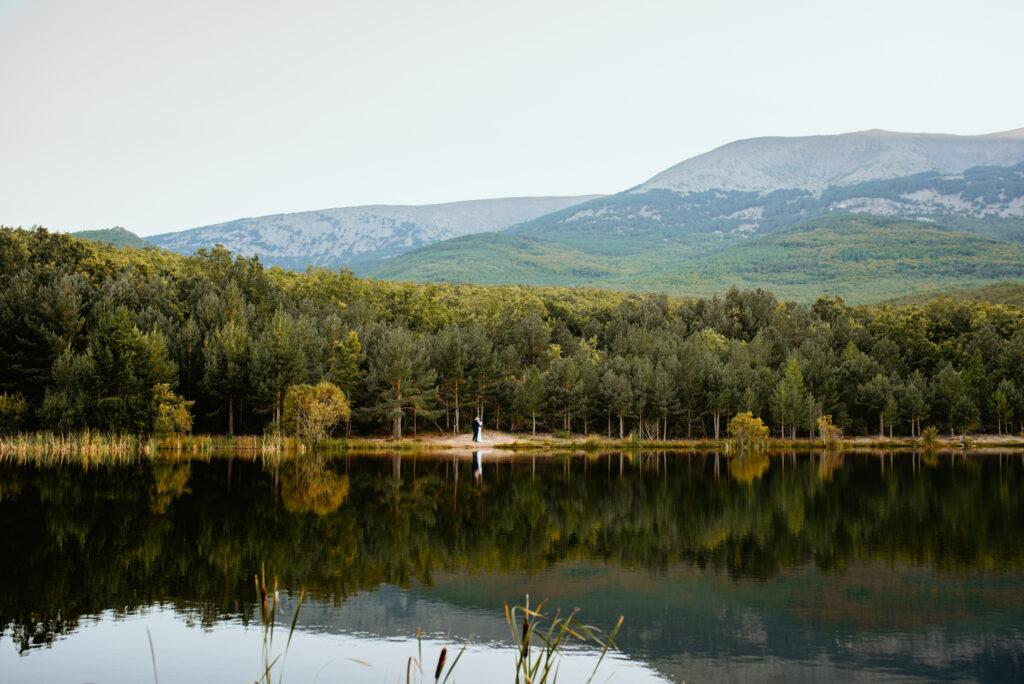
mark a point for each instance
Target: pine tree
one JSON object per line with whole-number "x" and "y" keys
{"x": 399, "y": 377}
{"x": 227, "y": 358}
{"x": 277, "y": 361}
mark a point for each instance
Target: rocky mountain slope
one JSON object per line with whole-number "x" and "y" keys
{"x": 822, "y": 161}
{"x": 359, "y": 236}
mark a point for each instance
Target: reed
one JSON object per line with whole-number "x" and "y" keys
{"x": 270, "y": 601}
{"x": 539, "y": 638}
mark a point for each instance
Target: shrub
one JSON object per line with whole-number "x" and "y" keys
{"x": 831, "y": 434}
{"x": 311, "y": 412}
{"x": 930, "y": 437}
{"x": 747, "y": 432}
{"x": 173, "y": 412}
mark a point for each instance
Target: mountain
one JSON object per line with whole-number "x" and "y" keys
{"x": 650, "y": 236}
{"x": 988, "y": 200}
{"x": 116, "y": 236}
{"x": 359, "y": 237}
{"x": 824, "y": 161}
{"x": 862, "y": 258}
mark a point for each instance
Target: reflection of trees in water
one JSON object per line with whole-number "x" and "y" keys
{"x": 748, "y": 466}
{"x": 309, "y": 487}
{"x": 170, "y": 480}
{"x": 828, "y": 463}
{"x": 81, "y": 542}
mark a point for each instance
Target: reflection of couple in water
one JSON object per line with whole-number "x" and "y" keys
{"x": 478, "y": 466}
{"x": 478, "y": 456}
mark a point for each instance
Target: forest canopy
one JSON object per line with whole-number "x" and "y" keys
{"x": 113, "y": 338}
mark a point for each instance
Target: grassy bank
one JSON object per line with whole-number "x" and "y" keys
{"x": 87, "y": 446}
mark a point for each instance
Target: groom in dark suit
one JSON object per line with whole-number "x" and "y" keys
{"x": 477, "y": 424}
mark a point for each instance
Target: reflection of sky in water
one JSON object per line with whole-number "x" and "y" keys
{"x": 116, "y": 650}
{"x": 848, "y": 572}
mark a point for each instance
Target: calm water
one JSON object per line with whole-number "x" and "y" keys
{"x": 863, "y": 567}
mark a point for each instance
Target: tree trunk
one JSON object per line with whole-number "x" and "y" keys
{"x": 718, "y": 415}
{"x": 456, "y": 429}
{"x": 881, "y": 425}
{"x": 231, "y": 416}
{"x": 621, "y": 427}
{"x": 534, "y": 416}
{"x": 396, "y": 427}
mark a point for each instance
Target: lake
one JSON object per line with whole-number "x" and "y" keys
{"x": 809, "y": 567}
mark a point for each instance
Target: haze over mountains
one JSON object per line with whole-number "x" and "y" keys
{"x": 948, "y": 209}
{"x": 356, "y": 236}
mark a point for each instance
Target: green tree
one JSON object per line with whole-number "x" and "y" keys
{"x": 531, "y": 395}
{"x": 227, "y": 356}
{"x": 789, "y": 401}
{"x": 399, "y": 377}
{"x": 1003, "y": 401}
{"x": 13, "y": 413}
{"x": 963, "y": 414}
{"x": 564, "y": 380}
{"x": 113, "y": 384}
{"x": 452, "y": 360}
{"x": 878, "y": 396}
{"x": 277, "y": 361}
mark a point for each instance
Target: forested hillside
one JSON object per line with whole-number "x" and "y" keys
{"x": 117, "y": 236}
{"x": 105, "y": 338}
{"x": 860, "y": 257}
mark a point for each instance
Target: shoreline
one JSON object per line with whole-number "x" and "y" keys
{"x": 91, "y": 445}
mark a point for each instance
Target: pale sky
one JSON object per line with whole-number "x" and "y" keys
{"x": 160, "y": 115}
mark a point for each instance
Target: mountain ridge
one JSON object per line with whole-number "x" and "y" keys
{"x": 353, "y": 236}
{"x": 816, "y": 162}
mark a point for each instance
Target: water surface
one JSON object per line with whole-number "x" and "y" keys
{"x": 856, "y": 567}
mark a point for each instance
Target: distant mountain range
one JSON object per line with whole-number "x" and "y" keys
{"x": 869, "y": 215}
{"x": 677, "y": 233}
{"x": 359, "y": 236}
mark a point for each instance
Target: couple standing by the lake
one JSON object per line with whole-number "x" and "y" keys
{"x": 478, "y": 429}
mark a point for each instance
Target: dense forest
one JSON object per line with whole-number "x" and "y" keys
{"x": 116, "y": 339}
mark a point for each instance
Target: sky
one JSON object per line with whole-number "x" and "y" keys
{"x": 161, "y": 116}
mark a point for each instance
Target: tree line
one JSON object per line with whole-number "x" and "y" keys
{"x": 127, "y": 340}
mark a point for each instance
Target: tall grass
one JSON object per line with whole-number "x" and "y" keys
{"x": 270, "y": 601}
{"x": 538, "y": 640}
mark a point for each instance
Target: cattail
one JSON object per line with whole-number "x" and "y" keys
{"x": 440, "y": 664}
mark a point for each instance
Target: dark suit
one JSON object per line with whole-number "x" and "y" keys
{"x": 476, "y": 429}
